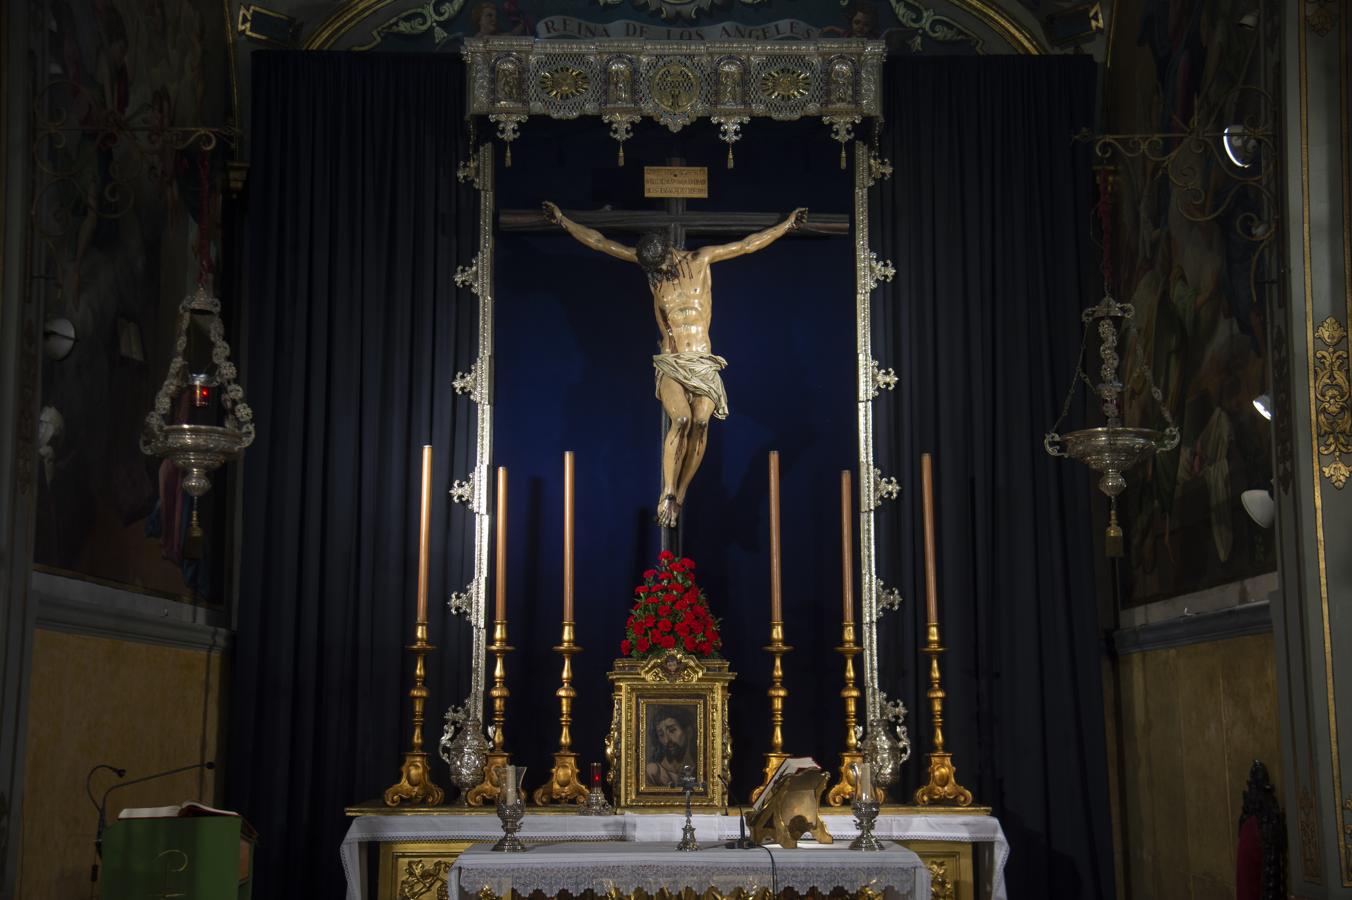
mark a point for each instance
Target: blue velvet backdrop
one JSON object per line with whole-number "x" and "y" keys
{"x": 574, "y": 342}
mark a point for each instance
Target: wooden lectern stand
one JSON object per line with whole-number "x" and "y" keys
{"x": 203, "y": 857}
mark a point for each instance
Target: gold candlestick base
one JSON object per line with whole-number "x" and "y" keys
{"x": 565, "y": 783}
{"x": 943, "y": 788}
{"x": 414, "y": 785}
{"x": 845, "y": 789}
{"x": 491, "y": 786}
{"x": 850, "y": 694}
{"x": 777, "y": 694}
{"x": 415, "y": 781}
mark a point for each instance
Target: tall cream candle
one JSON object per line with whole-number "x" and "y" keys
{"x": 776, "y": 612}
{"x": 931, "y": 579}
{"x": 424, "y": 529}
{"x": 500, "y": 571}
{"x": 568, "y": 495}
{"x": 846, "y": 551}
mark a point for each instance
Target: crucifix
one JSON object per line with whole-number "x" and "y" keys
{"x": 688, "y": 383}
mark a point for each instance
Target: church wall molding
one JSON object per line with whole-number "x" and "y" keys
{"x": 1314, "y": 511}
{"x": 20, "y": 380}
{"x": 1219, "y": 625}
{"x": 83, "y": 607}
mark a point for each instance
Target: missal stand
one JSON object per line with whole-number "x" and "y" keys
{"x": 206, "y": 857}
{"x": 789, "y": 806}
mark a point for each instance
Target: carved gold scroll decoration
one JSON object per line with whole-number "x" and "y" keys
{"x": 1333, "y": 416}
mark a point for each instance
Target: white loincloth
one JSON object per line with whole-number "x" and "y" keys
{"x": 697, "y": 373}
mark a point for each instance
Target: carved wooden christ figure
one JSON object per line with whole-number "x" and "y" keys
{"x": 688, "y": 384}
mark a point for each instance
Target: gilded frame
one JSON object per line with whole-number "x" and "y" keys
{"x": 642, "y": 688}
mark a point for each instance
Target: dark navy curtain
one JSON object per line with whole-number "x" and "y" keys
{"x": 356, "y": 225}
{"x": 986, "y": 219}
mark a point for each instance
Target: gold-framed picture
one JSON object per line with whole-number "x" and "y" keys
{"x": 670, "y": 719}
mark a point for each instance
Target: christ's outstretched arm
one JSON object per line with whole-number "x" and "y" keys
{"x": 588, "y": 236}
{"x": 758, "y": 241}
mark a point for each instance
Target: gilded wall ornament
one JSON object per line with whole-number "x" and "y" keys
{"x": 676, "y": 9}
{"x": 416, "y": 21}
{"x": 941, "y": 886}
{"x": 1332, "y": 414}
{"x": 421, "y": 880}
{"x": 1309, "y": 836}
{"x": 564, "y": 82}
{"x": 1321, "y": 16}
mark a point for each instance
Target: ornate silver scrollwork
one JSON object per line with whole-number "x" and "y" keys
{"x": 878, "y": 168}
{"x": 884, "y": 488}
{"x": 842, "y": 131}
{"x": 888, "y": 598}
{"x": 470, "y": 382}
{"x": 879, "y": 270}
{"x": 469, "y": 171}
{"x": 621, "y": 128}
{"x": 729, "y": 130}
{"x": 882, "y": 379}
{"x": 461, "y": 603}
{"x": 463, "y": 491}
{"x": 894, "y": 713}
{"x": 468, "y": 276}
{"x": 509, "y": 129}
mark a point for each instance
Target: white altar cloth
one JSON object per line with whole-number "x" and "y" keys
{"x": 982, "y": 831}
{"x": 649, "y": 866}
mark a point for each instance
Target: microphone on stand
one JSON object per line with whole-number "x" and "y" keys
{"x": 98, "y": 842}
{"x": 742, "y": 842}
{"x": 103, "y": 804}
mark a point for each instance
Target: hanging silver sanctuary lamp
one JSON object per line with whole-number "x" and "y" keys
{"x": 1112, "y": 448}
{"x": 200, "y": 419}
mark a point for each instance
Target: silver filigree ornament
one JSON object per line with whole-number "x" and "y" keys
{"x": 464, "y": 749}
{"x": 730, "y": 131}
{"x": 470, "y": 382}
{"x": 196, "y": 449}
{"x": 621, "y": 128}
{"x": 842, "y": 132}
{"x": 878, "y": 168}
{"x": 463, "y": 491}
{"x": 881, "y": 379}
{"x": 884, "y": 488}
{"x": 468, "y": 276}
{"x": 461, "y": 603}
{"x": 889, "y": 599}
{"x": 879, "y": 270}
{"x": 468, "y": 171}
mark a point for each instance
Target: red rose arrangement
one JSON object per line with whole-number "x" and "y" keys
{"x": 670, "y": 613}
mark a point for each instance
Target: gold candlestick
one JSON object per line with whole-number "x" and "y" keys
{"x": 845, "y": 789}
{"x": 777, "y": 693}
{"x": 942, "y": 787}
{"x": 564, "y": 784}
{"x": 491, "y": 786}
{"x": 415, "y": 782}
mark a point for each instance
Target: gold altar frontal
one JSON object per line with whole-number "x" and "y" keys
{"x": 417, "y": 870}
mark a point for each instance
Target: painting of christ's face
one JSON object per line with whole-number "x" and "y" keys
{"x": 672, "y": 750}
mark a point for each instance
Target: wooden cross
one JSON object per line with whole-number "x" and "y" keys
{"x": 676, "y": 220}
